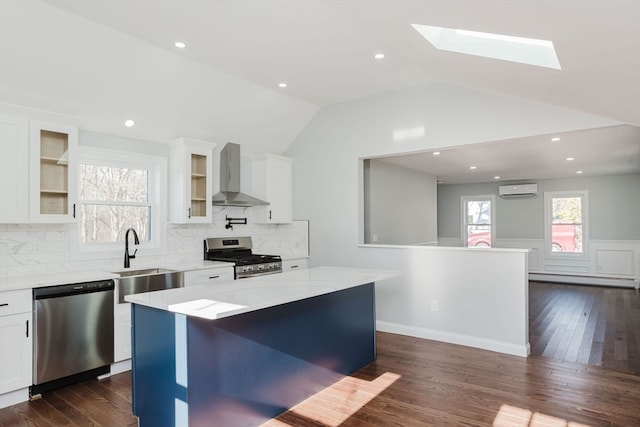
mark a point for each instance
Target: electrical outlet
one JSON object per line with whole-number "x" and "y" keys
{"x": 434, "y": 305}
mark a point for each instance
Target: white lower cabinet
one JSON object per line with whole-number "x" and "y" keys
{"x": 16, "y": 343}
{"x": 295, "y": 264}
{"x": 122, "y": 332}
{"x": 207, "y": 276}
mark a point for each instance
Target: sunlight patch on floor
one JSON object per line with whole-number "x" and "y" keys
{"x": 334, "y": 405}
{"x": 512, "y": 416}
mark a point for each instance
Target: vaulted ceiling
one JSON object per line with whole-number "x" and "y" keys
{"x": 103, "y": 62}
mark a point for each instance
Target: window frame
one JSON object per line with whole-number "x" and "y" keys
{"x": 463, "y": 217}
{"x": 157, "y": 183}
{"x": 548, "y": 213}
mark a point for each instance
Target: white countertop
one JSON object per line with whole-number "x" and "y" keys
{"x": 241, "y": 296}
{"x": 53, "y": 279}
{"x": 65, "y": 278}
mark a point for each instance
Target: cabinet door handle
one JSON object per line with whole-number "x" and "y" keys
{"x": 269, "y": 213}
{"x": 74, "y": 210}
{"x": 4, "y": 304}
{"x": 214, "y": 277}
{"x": 27, "y": 331}
{"x": 189, "y": 213}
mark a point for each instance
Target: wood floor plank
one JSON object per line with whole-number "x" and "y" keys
{"x": 587, "y": 324}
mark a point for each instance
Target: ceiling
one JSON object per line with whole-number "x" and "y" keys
{"x": 605, "y": 151}
{"x": 324, "y": 49}
{"x": 105, "y": 61}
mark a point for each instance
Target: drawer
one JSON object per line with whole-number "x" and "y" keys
{"x": 205, "y": 277}
{"x": 14, "y": 302}
{"x": 295, "y": 264}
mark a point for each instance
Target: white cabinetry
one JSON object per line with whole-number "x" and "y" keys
{"x": 273, "y": 182}
{"x": 53, "y": 172}
{"x": 295, "y": 264}
{"x": 122, "y": 332}
{"x": 15, "y": 338}
{"x": 208, "y": 276}
{"x": 190, "y": 181}
{"x": 14, "y": 170}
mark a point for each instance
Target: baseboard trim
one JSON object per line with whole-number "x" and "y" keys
{"x": 453, "y": 338}
{"x": 122, "y": 366}
{"x": 14, "y": 397}
{"x": 586, "y": 280}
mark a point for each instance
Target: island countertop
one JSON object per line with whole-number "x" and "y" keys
{"x": 245, "y": 295}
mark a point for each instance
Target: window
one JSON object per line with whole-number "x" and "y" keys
{"x": 112, "y": 199}
{"x": 566, "y": 223}
{"x": 119, "y": 190}
{"x": 478, "y": 215}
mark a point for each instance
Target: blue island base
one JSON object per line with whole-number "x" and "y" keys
{"x": 245, "y": 369}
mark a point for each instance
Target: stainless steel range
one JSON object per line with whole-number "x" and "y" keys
{"x": 239, "y": 251}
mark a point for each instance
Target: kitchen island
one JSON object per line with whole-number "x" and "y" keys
{"x": 241, "y": 352}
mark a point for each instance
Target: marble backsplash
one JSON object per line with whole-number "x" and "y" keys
{"x": 46, "y": 248}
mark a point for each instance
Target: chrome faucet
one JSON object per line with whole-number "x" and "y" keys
{"x": 127, "y": 257}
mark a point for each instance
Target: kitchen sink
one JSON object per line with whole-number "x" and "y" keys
{"x": 146, "y": 280}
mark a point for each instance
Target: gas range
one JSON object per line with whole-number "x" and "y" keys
{"x": 239, "y": 251}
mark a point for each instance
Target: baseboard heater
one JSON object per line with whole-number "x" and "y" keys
{"x": 621, "y": 282}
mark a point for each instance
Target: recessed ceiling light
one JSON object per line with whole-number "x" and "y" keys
{"x": 496, "y": 177}
{"x": 436, "y": 153}
{"x": 473, "y": 167}
{"x": 489, "y": 45}
{"x": 180, "y": 45}
{"x": 569, "y": 159}
{"x": 283, "y": 85}
{"x": 129, "y": 123}
{"x": 379, "y": 55}
{"x": 578, "y": 172}
{"x": 555, "y": 139}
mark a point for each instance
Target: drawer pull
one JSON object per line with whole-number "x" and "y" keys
{"x": 294, "y": 266}
{"x": 4, "y": 304}
{"x": 214, "y": 277}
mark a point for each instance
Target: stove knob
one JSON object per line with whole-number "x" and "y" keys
{"x": 261, "y": 267}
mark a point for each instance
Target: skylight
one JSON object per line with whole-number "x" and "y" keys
{"x": 497, "y": 46}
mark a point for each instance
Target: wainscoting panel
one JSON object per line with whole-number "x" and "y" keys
{"x": 616, "y": 258}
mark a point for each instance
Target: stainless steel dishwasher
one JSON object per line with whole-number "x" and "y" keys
{"x": 73, "y": 338}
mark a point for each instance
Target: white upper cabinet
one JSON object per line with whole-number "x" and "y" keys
{"x": 273, "y": 182}
{"x": 53, "y": 172}
{"x": 14, "y": 169}
{"x": 190, "y": 181}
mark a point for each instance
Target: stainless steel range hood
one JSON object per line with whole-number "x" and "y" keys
{"x": 230, "y": 194}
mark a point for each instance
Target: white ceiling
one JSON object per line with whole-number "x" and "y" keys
{"x": 105, "y": 61}
{"x": 324, "y": 49}
{"x": 603, "y": 151}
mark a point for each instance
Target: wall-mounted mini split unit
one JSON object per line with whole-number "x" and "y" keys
{"x": 518, "y": 190}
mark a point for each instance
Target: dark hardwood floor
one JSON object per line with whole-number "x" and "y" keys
{"x": 419, "y": 382}
{"x": 585, "y": 324}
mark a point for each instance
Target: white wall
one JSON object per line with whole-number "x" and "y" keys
{"x": 327, "y": 178}
{"x": 400, "y": 205}
{"x": 471, "y": 297}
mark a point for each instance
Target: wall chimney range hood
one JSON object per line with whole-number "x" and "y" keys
{"x": 230, "y": 194}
